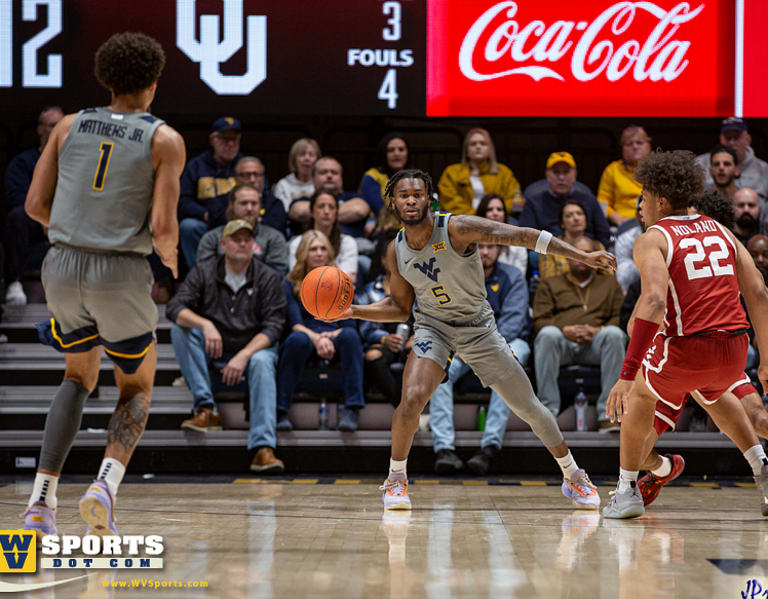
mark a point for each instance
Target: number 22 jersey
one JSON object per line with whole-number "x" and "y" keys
{"x": 703, "y": 289}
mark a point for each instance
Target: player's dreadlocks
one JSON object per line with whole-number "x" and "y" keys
{"x": 411, "y": 173}
{"x": 715, "y": 205}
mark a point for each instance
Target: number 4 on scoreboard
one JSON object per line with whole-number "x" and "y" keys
{"x": 388, "y": 89}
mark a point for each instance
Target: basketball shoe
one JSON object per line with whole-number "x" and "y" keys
{"x": 395, "y": 492}
{"x": 650, "y": 484}
{"x": 96, "y": 509}
{"x": 626, "y": 504}
{"x": 762, "y": 487}
{"x": 40, "y": 518}
{"x": 581, "y": 491}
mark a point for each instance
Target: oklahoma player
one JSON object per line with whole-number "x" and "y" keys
{"x": 691, "y": 270}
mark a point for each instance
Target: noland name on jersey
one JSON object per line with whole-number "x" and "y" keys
{"x": 96, "y": 548}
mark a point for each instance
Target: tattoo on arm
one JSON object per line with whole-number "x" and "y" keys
{"x": 127, "y": 423}
{"x": 473, "y": 229}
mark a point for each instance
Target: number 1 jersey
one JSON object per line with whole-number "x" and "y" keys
{"x": 703, "y": 290}
{"x": 105, "y": 182}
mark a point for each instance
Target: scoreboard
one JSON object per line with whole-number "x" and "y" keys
{"x": 403, "y": 57}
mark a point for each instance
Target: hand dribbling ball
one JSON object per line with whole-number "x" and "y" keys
{"x": 326, "y": 292}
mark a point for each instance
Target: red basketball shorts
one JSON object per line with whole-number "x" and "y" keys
{"x": 676, "y": 366}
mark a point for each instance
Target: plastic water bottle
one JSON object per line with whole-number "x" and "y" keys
{"x": 482, "y": 413}
{"x": 322, "y": 415}
{"x": 580, "y": 406}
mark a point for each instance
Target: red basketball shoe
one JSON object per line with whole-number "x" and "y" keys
{"x": 650, "y": 485}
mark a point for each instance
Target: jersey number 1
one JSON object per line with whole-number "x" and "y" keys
{"x": 105, "y": 154}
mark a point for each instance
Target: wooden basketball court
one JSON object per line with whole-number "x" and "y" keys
{"x": 331, "y": 538}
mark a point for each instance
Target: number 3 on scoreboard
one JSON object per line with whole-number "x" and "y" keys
{"x": 105, "y": 150}
{"x": 442, "y": 297}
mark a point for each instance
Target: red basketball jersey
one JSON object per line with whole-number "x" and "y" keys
{"x": 703, "y": 292}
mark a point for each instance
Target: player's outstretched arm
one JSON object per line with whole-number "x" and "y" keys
{"x": 467, "y": 230}
{"x": 168, "y": 156}
{"x": 43, "y": 186}
{"x": 396, "y": 307}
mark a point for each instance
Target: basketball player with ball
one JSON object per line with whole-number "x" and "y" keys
{"x": 434, "y": 261}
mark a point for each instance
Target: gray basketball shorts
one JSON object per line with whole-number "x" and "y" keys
{"x": 99, "y": 299}
{"x": 482, "y": 347}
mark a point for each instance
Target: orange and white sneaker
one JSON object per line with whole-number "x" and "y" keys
{"x": 581, "y": 491}
{"x": 395, "y": 492}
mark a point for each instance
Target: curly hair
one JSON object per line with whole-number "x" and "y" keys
{"x": 128, "y": 63}
{"x": 671, "y": 175}
{"x": 715, "y": 205}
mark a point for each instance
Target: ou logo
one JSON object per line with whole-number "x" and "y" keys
{"x": 210, "y": 51}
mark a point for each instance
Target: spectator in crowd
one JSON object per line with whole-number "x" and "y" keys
{"x": 618, "y": 190}
{"x": 382, "y": 344}
{"x": 573, "y": 222}
{"x": 250, "y": 169}
{"x": 229, "y": 315}
{"x": 324, "y": 213}
{"x": 22, "y": 231}
{"x": 746, "y": 209}
{"x": 298, "y": 183}
{"x": 758, "y": 249}
{"x": 753, "y": 172}
{"x": 205, "y": 184}
{"x": 544, "y": 199}
{"x": 269, "y": 245}
{"x": 626, "y": 234}
{"x": 463, "y": 185}
{"x": 724, "y": 170}
{"x": 507, "y": 294}
{"x": 492, "y": 207}
{"x": 391, "y": 156}
{"x": 575, "y": 318}
{"x": 309, "y": 336}
{"x": 353, "y": 210}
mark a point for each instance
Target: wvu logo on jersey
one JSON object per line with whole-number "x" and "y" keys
{"x": 438, "y": 247}
{"x": 18, "y": 551}
{"x": 424, "y": 346}
{"x": 428, "y": 269}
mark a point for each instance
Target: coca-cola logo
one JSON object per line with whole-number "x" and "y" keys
{"x": 496, "y": 41}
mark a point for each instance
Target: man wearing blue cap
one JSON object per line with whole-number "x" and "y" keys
{"x": 734, "y": 134}
{"x": 205, "y": 185}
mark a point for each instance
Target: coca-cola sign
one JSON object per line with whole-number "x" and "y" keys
{"x": 598, "y": 58}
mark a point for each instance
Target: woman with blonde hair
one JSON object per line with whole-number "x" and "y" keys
{"x": 309, "y": 336}
{"x": 618, "y": 190}
{"x": 462, "y": 185}
{"x": 298, "y": 184}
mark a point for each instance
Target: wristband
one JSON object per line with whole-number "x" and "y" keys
{"x": 642, "y": 336}
{"x": 542, "y": 243}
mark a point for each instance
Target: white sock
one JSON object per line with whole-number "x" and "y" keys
{"x": 44, "y": 489}
{"x": 398, "y": 466}
{"x": 567, "y": 465}
{"x": 665, "y": 469}
{"x": 112, "y": 472}
{"x": 756, "y": 458}
{"x": 627, "y": 479}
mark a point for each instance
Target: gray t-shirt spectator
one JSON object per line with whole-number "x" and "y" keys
{"x": 754, "y": 174}
{"x": 269, "y": 246}
{"x": 626, "y": 272}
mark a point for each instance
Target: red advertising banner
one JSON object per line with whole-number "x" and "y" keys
{"x": 596, "y": 58}
{"x": 755, "y": 84}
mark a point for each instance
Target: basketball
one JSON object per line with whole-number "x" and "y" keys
{"x": 326, "y": 292}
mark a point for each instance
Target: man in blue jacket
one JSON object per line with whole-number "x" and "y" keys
{"x": 507, "y": 293}
{"x": 22, "y": 230}
{"x": 205, "y": 185}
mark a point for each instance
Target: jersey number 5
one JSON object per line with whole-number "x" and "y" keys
{"x": 442, "y": 297}
{"x": 700, "y": 253}
{"x": 105, "y": 150}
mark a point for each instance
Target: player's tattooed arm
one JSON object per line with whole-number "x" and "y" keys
{"x": 127, "y": 425}
{"x": 466, "y": 231}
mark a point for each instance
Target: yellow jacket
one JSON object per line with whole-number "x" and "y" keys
{"x": 618, "y": 189}
{"x": 456, "y": 193}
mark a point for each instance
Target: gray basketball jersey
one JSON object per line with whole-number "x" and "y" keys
{"x": 449, "y": 287}
{"x": 106, "y": 178}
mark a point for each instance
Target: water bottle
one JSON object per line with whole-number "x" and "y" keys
{"x": 482, "y": 412}
{"x": 404, "y": 331}
{"x": 580, "y": 406}
{"x": 322, "y": 415}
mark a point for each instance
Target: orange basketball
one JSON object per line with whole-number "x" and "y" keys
{"x": 326, "y": 292}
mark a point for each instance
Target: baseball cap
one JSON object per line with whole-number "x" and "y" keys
{"x": 225, "y": 123}
{"x": 236, "y": 225}
{"x": 733, "y": 123}
{"x": 556, "y": 157}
